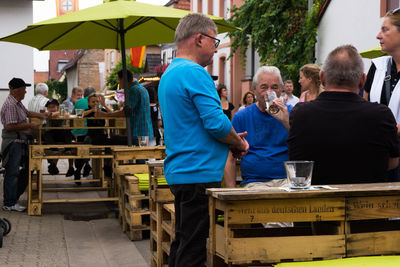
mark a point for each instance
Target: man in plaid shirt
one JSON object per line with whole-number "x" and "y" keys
{"x": 14, "y": 147}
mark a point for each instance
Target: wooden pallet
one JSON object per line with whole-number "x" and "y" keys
{"x": 347, "y": 221}
{"x": 137, "y": 223}
{"x": 38, "y": 153}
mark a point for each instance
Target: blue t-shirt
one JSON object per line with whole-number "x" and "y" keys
{"x": 267, "y": 140}
{"x": 193, "y": 122}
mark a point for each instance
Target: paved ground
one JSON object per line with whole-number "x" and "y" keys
{"x": 69, "y": 235}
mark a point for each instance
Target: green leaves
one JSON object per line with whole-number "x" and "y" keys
{"x": 112, "y": 79}
{"x": 282, "y": 31}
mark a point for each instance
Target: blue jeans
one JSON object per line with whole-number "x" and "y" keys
{"x": 15, "y": 180}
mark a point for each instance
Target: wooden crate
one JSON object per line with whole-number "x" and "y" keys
{"x": 168, "y": 230}
{"x": 243, "y": 239}
{"x": 373, "y": 225}
{"x": 345, "y": 221}
{"x": 137, "y": 222}
{"x": 157, "y": 192}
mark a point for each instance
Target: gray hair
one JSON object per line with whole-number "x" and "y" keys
{"x": 191, "y": 24}
{"x": 41, "y": 88}
{"x": 267, "y": 69}
{"x": 343, "y": 67}
{"x": 88, "y": 91}
{"x": 76, "y": 89}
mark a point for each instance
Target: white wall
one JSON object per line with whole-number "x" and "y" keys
{"x": 15, "y": 60}
{"x": 355, "y": 22}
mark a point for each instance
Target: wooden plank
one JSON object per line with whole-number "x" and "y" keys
{"x": 131, "y": 169}
{"x": 276, "y": 249}
{"x": 73, "y": 189}
{"x": 76, "y": 200}
{"x": 286, "y": 210}
{"x": 68, "y": 181}
{"x": 376, "y": 243}
{"x": 359, "y": 208}
{"x": 161, "y": 195}
{"x": 349, "y": 190}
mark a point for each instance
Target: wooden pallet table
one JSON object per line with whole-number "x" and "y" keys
{"x": 350, "y": 220}
{"x": 38, "y": 153}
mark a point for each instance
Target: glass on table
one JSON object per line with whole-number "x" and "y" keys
{"x": 143, "y": 141}
{"x": 79, "y": 113}
{"x": 299, "y": 173}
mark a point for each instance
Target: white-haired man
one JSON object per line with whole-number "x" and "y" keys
{"x": 266, "y": 135}
{"x": 197, "y": 136}
{"x": 39, "y": 101}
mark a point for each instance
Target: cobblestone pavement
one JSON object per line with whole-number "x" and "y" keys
{"x": 51, "y": 240}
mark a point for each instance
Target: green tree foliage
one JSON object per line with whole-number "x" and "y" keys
{"x": 112, "y": 79}
{"x": 283, "y": 32}
{"x": 57, "y": 89}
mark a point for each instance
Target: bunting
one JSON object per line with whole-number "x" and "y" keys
{"x": 137, "y": 54}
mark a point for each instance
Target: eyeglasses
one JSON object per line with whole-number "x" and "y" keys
{"x": 395, "y": 10}
{"x": 217, "y": 41}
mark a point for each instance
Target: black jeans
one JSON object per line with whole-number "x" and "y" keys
{"x": 192, "y": 224}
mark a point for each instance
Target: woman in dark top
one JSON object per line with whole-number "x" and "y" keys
{"x": 382, "y": 84}
{"x": 227, "y": 106}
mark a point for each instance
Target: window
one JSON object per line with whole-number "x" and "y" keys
{"x": 61, "y": 64}
{"x": 112, "y": 60}
{"x": 387, "y": 5}
{"x": 164, "y": 57}
{"x": 173, "y": 53}
{"x": 199, "y": 6}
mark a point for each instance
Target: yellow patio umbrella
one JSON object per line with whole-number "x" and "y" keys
{"x": 373, "y": 52}
{"x": 115, "y": 25}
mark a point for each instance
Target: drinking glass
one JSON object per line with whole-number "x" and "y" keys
{"x": 79, "y": 113}
{"x": 271, "y": 107}
{"x": 143, "y": 141}
{"x": 299, "y": 173}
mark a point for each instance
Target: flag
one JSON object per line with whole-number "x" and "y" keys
{"x": 66, "y": 6}
{"x": 137, "y": 54}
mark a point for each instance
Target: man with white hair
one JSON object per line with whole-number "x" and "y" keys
{"x": 266, "y": 134}
{"x": 39, "y": 101}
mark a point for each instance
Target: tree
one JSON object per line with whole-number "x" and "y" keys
{"x": 58, "y": 89}
{"x": 283, "y": 32}
{"x": 112, "y": 79}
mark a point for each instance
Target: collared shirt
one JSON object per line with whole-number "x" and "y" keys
{"x": 13, "y": 112}
{"x": 68, "y": 103}
{"x": 37, "y": 103}
{"x": 140, "y": 118}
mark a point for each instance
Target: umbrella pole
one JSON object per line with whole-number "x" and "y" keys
{"x": 127, "y": 108}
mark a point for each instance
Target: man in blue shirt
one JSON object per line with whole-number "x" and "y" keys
{"x": 197, "y": 136}
{"x": 266, "y": 134}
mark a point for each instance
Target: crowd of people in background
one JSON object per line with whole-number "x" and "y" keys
{"x": 350, "y": 139}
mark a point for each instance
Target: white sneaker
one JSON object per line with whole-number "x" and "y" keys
{"x": 16, "y": 207}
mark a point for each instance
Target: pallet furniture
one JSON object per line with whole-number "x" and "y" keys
{"x": 160, "y": 215}
{"x": 133, "y": 201}
{"x": 112, "y": 125}
{"x": 38, "y": 153}
{"x": 351, "y": 220}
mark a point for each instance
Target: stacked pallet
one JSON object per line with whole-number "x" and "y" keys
{"x": 161, "y": 214}
{"x": 131, "y": 183}
{"x": 134, "y": 209}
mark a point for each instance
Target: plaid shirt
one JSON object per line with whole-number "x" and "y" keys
{"x": 13, "y": 112}
{"x": 140, "y": 104}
